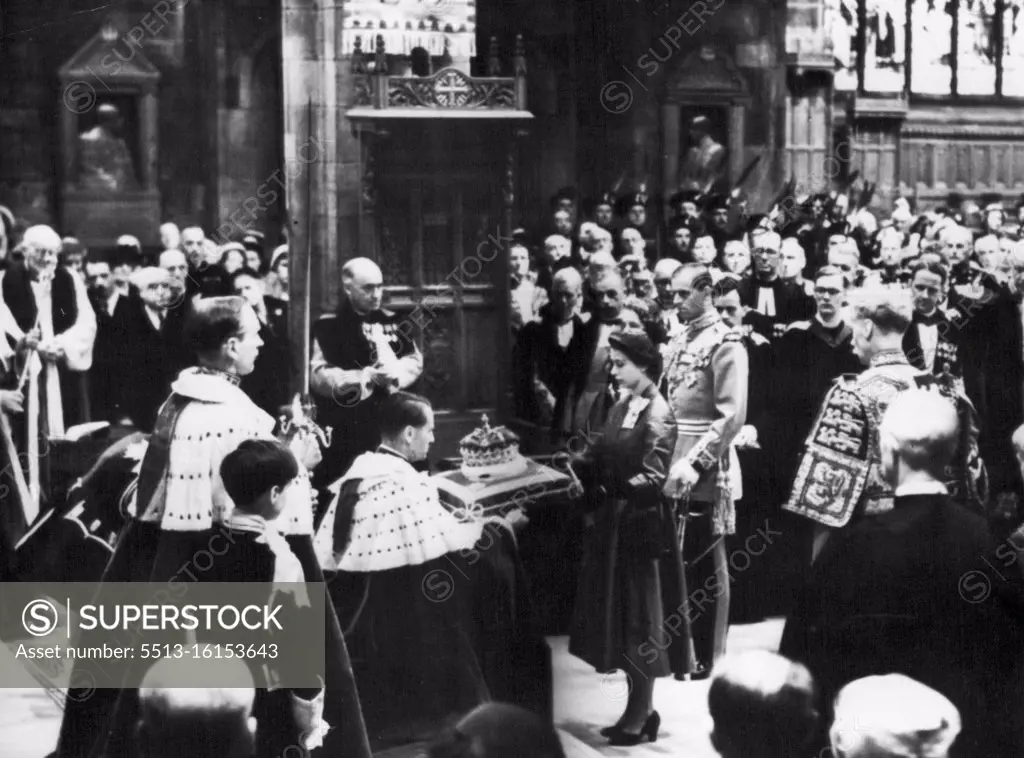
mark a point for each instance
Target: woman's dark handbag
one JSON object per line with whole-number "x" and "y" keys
{"x": 644, "y": 531}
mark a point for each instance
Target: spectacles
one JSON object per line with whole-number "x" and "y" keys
{"x": 830, "y": 291}
{"x": 766, "y": 251}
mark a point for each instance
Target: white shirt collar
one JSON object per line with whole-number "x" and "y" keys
{"x": 922, "y": 488}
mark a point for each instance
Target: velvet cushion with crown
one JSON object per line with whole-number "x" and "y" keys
{"x": 491, "y": 452}
{"x": 398, "y": 519}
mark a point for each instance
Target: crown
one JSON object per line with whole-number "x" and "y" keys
{"x": 488, "y": 436}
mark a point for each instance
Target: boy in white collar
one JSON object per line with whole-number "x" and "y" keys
{"x": 259, "y": 476}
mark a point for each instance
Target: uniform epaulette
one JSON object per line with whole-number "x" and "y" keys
{"x": 799, "y": 325}
{"x": 327, "y": 317}
{"x": 732, "y": 336}
{"x": 759, "y": 339}
{"x": 388, "y": 314}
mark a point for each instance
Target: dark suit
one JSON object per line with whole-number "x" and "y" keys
{"x": 808, "y": 359}
{"x": 948, "y": 352}
{"x": 539, "y": 362}
{"x": 146, "y": 367}
{"x": 792, "y": 303}
{"x": 587, "y": 399}
{"x": 106, "y": 361}
{"x": 760, "y": 498}
{"x": 992, "y": 341}
{"x": 920, "y": 590}
{"x": 267, "y": 385}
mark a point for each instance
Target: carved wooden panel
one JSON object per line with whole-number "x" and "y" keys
{"x": 481, "y": 350}
{"x": 442, "y": 251}
{"x": 874, "y": 153}
{"x": 940, "y": 160}
{"x": 437, "y": 220}
{"x": 806, "y": 156}
{"x": 442, "y": 358}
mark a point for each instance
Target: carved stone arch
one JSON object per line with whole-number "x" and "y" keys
{"x": 708, "y": 78}
{"x": 245, "y": 64}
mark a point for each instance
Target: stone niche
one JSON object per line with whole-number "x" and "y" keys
{"x": 109, "y": 144}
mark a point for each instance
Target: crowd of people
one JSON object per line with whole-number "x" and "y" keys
{"x": 839, "y": 391}
{"x": 728, "y": 377}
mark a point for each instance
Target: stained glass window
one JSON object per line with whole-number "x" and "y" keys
{"x": 1013, "y": 48}
{"x": 976, "y": 47}
{"x": 841, "y": 23}
{"x": 885, "y": 43}
{"x": 931, "y": 63}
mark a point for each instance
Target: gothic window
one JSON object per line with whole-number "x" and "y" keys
{"x": 885, "y": 40}
{"x": 930, "y": 48}
{"x": 931, "y": 24}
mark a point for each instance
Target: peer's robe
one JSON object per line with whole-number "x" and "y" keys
{"x": 434, "y": 604}
{"x": 181, "y": 501}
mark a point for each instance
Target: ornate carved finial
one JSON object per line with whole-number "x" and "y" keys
{"x": 358, "y": 61}
{"x": 520, "y": 56}
{"x": 493, "y": 61}
{"x": 381, "y": 63}
{"x": 109, "y": 30}
{"x": 487, "y": 423}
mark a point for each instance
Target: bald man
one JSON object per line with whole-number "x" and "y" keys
{"x": 176, "y": 720}
{"x": 361, "y": 353}
{"x": 913, "y": 591}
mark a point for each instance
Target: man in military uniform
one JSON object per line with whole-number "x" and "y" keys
{"x": 706, "y": 385}
{"x": 361, "y": 354}
{"x": 840, "y": 476}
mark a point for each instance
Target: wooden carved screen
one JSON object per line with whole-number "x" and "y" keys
{"x": 808, "y": 126}
{"x": 441, "y": 254}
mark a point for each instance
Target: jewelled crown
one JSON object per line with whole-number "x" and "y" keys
{"x": 489, "y": 445}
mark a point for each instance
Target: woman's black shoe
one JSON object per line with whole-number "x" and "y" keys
{"x": 608, "y": 731}
{"x": 700, "y": 674}
{"x": 650, "y": 731}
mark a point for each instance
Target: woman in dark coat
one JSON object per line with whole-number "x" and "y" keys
{"x": 629, "y": 603}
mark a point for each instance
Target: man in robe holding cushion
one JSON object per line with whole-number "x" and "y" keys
{"x": 427, "y": 596}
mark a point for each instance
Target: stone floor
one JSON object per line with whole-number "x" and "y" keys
{"x": 583, "y": 703}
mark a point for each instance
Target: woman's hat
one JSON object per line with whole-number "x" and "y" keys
{"x": 636, "y": 346}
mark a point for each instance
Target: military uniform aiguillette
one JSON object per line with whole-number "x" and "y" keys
{"x": 706, "y": 385}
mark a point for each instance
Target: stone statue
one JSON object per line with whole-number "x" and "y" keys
{"x": 704, "y": 164}
{"x": 106, "y": 164}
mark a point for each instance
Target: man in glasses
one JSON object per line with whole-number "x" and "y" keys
{"x": 783, "y": 301}
{"x": 807, "y": 359}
